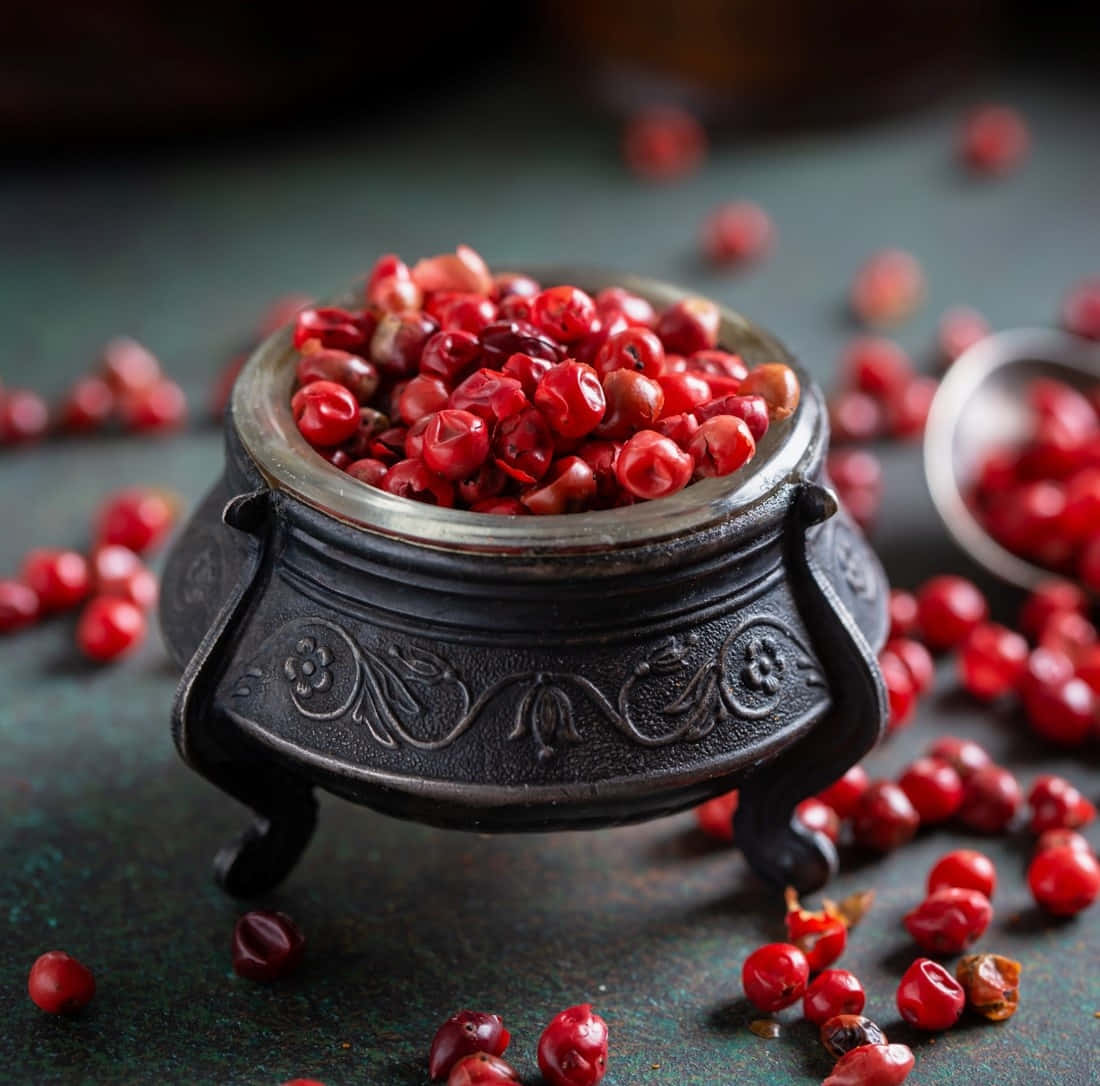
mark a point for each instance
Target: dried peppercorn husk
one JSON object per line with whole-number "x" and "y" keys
{"x": 768, "y": 1028}
{"x": 843, "y": 1032}
{"x": 853, "y": 908}
{"x": 991, "y": 983}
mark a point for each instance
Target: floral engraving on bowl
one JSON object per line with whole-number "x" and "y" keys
{"x": 406, "y": 695}
{"x": 852, "y": 564}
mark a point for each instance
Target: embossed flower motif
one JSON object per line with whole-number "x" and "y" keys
{"x": 763, "y": 665}
{"x": 308, "y": 669}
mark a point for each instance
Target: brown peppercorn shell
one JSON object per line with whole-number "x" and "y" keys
{"x": 991, "y": 983}
{"x": 843, "y": 1032}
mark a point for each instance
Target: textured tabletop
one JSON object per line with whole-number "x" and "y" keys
{"x": 106, "y": 839}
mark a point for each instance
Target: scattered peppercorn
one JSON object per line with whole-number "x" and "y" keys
{"x": 991, "y": 983}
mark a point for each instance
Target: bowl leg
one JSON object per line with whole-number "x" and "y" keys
{"x": 776, "y": 845}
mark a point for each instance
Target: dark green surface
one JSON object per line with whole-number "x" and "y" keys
{"x": 107, "y": 839}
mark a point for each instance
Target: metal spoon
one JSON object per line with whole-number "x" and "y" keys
{"x": 982, "y": 404}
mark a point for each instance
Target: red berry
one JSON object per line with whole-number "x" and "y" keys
{"x": 992, "y": 660}
{"x": 160, "y": 407}
{"x": 138, "y": 518}
{"x": 330, "y": 326}
{"x": 1088, "y": 669}
{"x": 900, "y": 689}
{"x": 491, "y": 395}
{"x": 991, "y": 798}
{"x": 903, "y": 613}
{"x": 19, "y": 606}
{"x": 465, "y": 313}
{"x": 567, "y": 313}
{"x": 715, "y": 817}
{"x": 1081, "y": 514}
{"x": 482, "y": 1069}
{"x": 399, "y": 340}
{"x": 88, "y": 405}
{"x": 463, "y": 1034}
{"x": 127, "y": 366}
{"x": 634, "y": 402}
{"x": 679, "y": 428}
{"x": 515, "y": 285}
{"x": 836, "y": 991}
{"x": 1062, "y": 712}
{"x": 569, "y": 487}
{"x": 60, "y": 579}
{"x": 821, "y": 936}
{"x": 59, "y": 984}
{"x": 523, "y": 445}
{"x": 356, "y": 374}
{"x": 456, "y": 443}
{"x": 1057, "y": 804}
{"x": 876, "y": 366}
{"x": 109, "y": 628}
{"x": 949, "y": 919}
{"x": 24, "y": 416}
{"x": 959, "y": 329}
{"x": 777, "y": 384}
{"x": 948, "y": 608}
{"x": 652, "y": 466}
{"x": 266, "y": 945}
{"x": 907, "y": 410}
{"x": 964, "y": 755}
{"x": 326, "y": 413}
{"x": 843, "y": 795}
{"x": 917, "y": 660}
{"x": 572, "y": 1050}
{"x": 412, "y": 479}
{"x": 721, "y": 445}
{"x": 684, "y": 392}
{"x": 855, "y": 417}
{"x": 421, "y": 396}
{"x": 664, "y": 142}
{"x": 1062, "y": 839}
{"x": 717, "y": 364}
{"x": 688, "y": 326}
{"x": 964, "y": 869}
{"x": 1064, "y": 881}
{"x": 118, "y": 571}
{"x": 774, "y": 976}
{"x": 527, "y": 370}
{"x": 887, "y": 288}
{"x": 993, "y": 140}
{"x": 884, "y": 818}
{"x": 450, "y": 355}
{"x": 637, "y": 312}
{"x": 1081, "y": 309}
{"x": 737, "y": 232}
{"x": 818, "y": 817}
{"x": 872, "y": 1065}
{"x": 929, "y": 997}
{"x": 571, "y": 399}
{"x": 934, "y": 789}
{"x": 636, "y": 349}
{"x": 1088, "y": 564}
{"x": 463, "y": 270}
{"x": 502, "y": 339}
{"x": 606, "y": 327}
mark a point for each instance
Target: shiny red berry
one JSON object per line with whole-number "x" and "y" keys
{"x": 571, "y": 399}
{"x": 843, "y": 795}
{"x": 964, "y": 869}
{"x": 266, "y": 945}
{"x": 634, "y": 402}
{"x": 466, "y": 313}
{"x": 1065, "y": 880}
{"x": 929, "y": 997}
{"x": 872, "y": 1065}
{"x": 327, "y": 413}
{"x": 463, "y": 1034}
{"x": 917, "y": 660}
{"x": 636, "y": 349}
{"x": 949, "y": 920}
{"x": 900, "y": 689}
{"x": 19, "y": 606}
{"x": 568, "y": 487}
{"x": 887, "y": 288}
{"x": 491, "y": 395}
{"x": 24, "y": 416}
{"x": 652, "y": 466}
{"x": 688, "y": 326}
{"x": 138, "y": 518}
{"x": 992, "y": 660}
{"x": 715, "y": 817}
{"x": 524, "y": 446}
{"x": 991, "y": 798}
{"x": 774, "y": 976}
{"x": 948, "y": 608}
{"x": 367, "y": 470}
{"x": 993, "y": 140}
{"x": 833, "y": 992}
{"x": 1057, "y": 804}
{"x": 964, "y": 755}
{"x": 819, "y": 818}
{"x": 572, "y": 1050}
{"x": 60, "y": 579}
{"x": 934, "y": 789}
{"x": 737, "y": 232}
{"x": 664, "y": 142}
{"x": 450, "y": 356}
{"x": 110, "y": 627}
{"x": 684, "y": 392}
{"x": 527, "y": 370}
{"x": 1062, "y": 712}
{"x": 637, "y": 311}
{"x": 88, "y": 405}
{"x": 333, "y": 327}
{"x": 721, "y": 445}
{"x": 159, "y": 408}
{"x": 565, "y": 312}
{"x": 356, "y": 374}
{"x": 884, "y": 819}
{"x": 777, "y": 384}
{"x": 482, "y": 1069}
{"x": 456, "y": 443}
{"x": 413, "y": 479}
{"x": 59, "y": 984}
{"x": 502, "y": 339}
{"x": 1049, "y": 839}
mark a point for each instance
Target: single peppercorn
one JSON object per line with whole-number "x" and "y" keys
{"x": 872, "y": 1065}
{"x": 991, "y": 984}
{"x": 843, "y": 795}
{"x": 884, "y": 819}
{"x": 887, "y": 288}
{"x": 831, "y": 993}
{"x": 964, "y": 755}
{"x": 1064, "y": 880}
{"x": 1057, "y": 804}
{"x": 949, "y": 920}
{"x": 929, "y": 997}
{"x": 138, "y": 518}
{"x": 934, "y": 789}
{"x": 991, "y": 660}
{"x": 59, "y": 984}
{"x": 774, "y": 976}
{"x": 266, "y": 945}
{"x": 821, "y": 936}
{"x": 482, "y": 1069}
{"x": 110, "y": 627}
{"x": 462, "y": 1035}
{"x": 777, "y": 385}
{"x": 991, "y": 798}
{"x": 819, "y": 818}
{"x": 843, "y": 1032}
{"x": 652, "y": 466}
{"x": 19, "y": 606}
{"x": 715, "y": 817}
{"x": 327, "y": 413}
{"x": 572, "y": 1050}
{"x": 966, "y": 869}
{"x": 948, "y": 608}
{"x": 737, "y": 232}
{"x": 60, "y": 579}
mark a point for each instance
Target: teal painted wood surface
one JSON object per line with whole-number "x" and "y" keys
{"x": 105, "y": 839}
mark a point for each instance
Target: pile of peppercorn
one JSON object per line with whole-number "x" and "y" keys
{"x": 463, "y": 389}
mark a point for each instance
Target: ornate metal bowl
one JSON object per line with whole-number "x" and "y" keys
{"x": 534, "y": 673}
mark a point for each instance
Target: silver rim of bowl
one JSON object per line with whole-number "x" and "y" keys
{"x": 261, "y": 413}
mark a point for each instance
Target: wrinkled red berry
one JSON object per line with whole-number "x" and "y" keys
{"x": 565, "y": 312}
{"x": 821, "y": 936}
{"x": 1065, "y": 880}
{"x": 844, "y": 1032}
{"x": 634, "y": 402}
{"x": 491, "y": 395}
{"x": 948, "y": 608}
{"x": 413, "y": 479}
{"x": 266, "y": 945}
{"x": 326, "y": 413}
{"x": 991, "y": 798}
{"x": 356, "y": 374}
{"x": 964, "y": 869}
{"x": 333, "y": 327}
{"x": 569, "y": 487}
{"x": 884, "y": 819}
{"x": 721, "y": 445}
{"x": 636, "y": 349}
{"x": 949, "y": 919}
{"x": 399, "y": 340}
{"x": 572, "y": 1050}
{"x": 774, "y": 976}
{"x": 843, "y": 795}
{"x": 833, "y": 992}
{"x": 1057, "y": 804}
{"x": 934, "y": 789}
{"x": 652, "y": 466}
{"x": 59, "y": 984}
{"x": 872, "y": 1065}
{"x": 60, "y": 579}
{"x": 929, "y": 997}
{"x": 992, "y": 660}
{"x": 463, "y": 1034}
{"x": 684, "y": 392}
{"x": 456, "y": 443}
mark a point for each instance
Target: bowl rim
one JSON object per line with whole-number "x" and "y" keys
{"x": 260, "y": 413}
